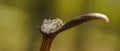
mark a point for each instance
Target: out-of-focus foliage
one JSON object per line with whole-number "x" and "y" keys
{"x": 19, "y": 21}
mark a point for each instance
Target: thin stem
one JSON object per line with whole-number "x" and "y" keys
{"x": 82, "y": 19}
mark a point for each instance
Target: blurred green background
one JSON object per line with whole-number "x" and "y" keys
{"x": 19, "y": 21}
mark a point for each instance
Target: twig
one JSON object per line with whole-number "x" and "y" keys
{"x": 51, "y": 27}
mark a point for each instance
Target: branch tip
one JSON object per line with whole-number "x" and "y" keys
{"x": 98, "y": 16}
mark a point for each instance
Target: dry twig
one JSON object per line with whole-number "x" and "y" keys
{"x": 51, "y": 27}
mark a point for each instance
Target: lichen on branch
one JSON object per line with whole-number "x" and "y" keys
{"x": 51, "y": 27}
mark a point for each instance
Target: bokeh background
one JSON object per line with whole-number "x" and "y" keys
{"x": 19, "y": 21}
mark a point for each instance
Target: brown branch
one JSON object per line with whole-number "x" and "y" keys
{"x": 46, "y": 43}
{"x": 84, "y": 18}
{"x": 53, "y": 26}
